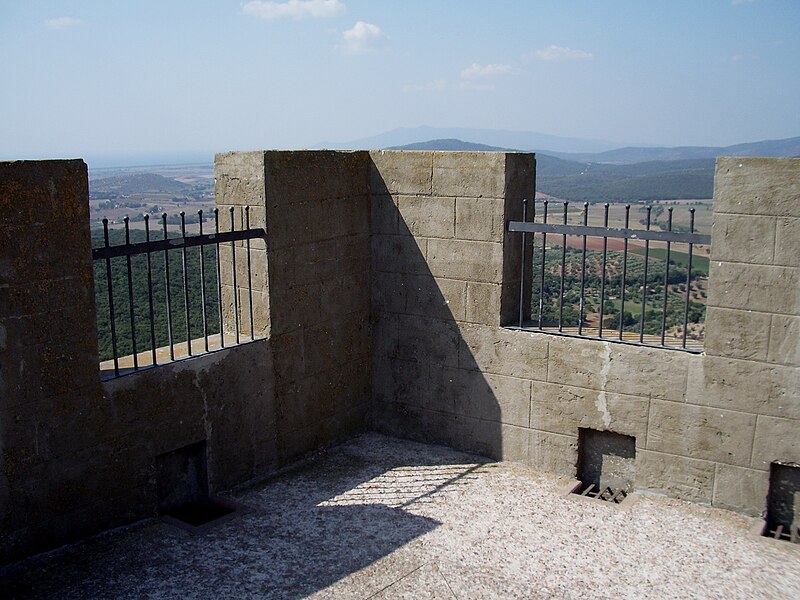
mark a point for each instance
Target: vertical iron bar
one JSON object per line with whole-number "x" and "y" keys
{"x": 169, "y": 295}
{"x": 150, "y": 290}
{"x": 249, "y": 273}
{"x": 666, "y": 279}
{"x": 219, "y": 282}
{"x": 644, "y": 278}
{"x": 541, "y": 278}
{"x": 203, "y": 282}
{"x": 563, "y": 273}
{"x": 688, "y": 280}
{"x": 624, "y": 272}
{"x": 583, "y": 269}
{"x": 111, "y": 302}
{"x": 235, "y": 289}
{"x": 603, "y": 277}
{"x": 186, "y": 287}
{"x": 522, "y": 262}
{"x": 126, "y": 221}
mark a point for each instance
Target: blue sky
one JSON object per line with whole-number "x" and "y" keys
{"x": 94, "y": 78}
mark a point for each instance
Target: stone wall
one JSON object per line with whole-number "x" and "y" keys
{"x": 315, "y": 209}
{"x": 78, "y": 456}
{"x": 706, "y": 426}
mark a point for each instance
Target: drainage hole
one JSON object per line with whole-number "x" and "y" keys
{"x": 787, "y": 534}
{"x": 605, "y": 494}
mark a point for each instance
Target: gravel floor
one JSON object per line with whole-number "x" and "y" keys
{"x": 383, "y": 518}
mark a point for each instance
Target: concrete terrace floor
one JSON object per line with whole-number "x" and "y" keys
{"x": 382, "y": 518}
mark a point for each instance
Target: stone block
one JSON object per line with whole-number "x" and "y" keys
{"x": 737, "y": 333}
{"x": 385, "y": 336}
{"x": 742, "y": 490}
{"x": 745, "y": 386}
{"x": 553, "y": 453}
{"x": 399, "y": 172}
{"x": 515, "y": 444}
{"x": 385, "y": 215}
{"x": 761, "y": 288}
{"x": 787, "y": 242}
{"x": 399, "y": 254}
{"x": 757, "y": 186}
{"x": 239, "y": 178}
{"x": 520, "y": 182}
{"x": 784, "y": 340}
{"x": 494, "y": 397}
{"x": 401, "y": 381}
{"x": 427, "y": 216}
{"x": 776, "y": 440}
{"x": 743, "y": 238}
{"x": 389, "y": 291}
{"x": 483, "y": 303}
{"x": 344, "y": 295}
{"x": 503, "y": 352}
{"x": 311, "y": 176}
{"x": 435, "y": 298}
{"x": 578, "y": 363}
{"x": 480, "y": 219}
{"x": 465, "y": 260}
{"x": 676, "y": 476}
{"x": 705, "y": 433}
{"x": 656, "y": 372}
{"x": 433, "y": 341}
{"x": 471, "y": 174}
{"x": 563, "y": 409}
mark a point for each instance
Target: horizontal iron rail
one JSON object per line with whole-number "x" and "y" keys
{"x": 176, "y": 243}
{"x": 531, "y": 326}
{"x": 609, "y": 232}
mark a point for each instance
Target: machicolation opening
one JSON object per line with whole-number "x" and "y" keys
{"x": 783, "y": 503}
{"x": 606, "y": 465}
{"x": 182, "y": 485}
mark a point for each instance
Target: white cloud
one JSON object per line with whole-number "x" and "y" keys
{"x": 558, "y": 53}
{"x": 293, "y": 9}
{"x": 440, "y": 85}
{"x": 61, "y": 22}
{"x": 476, "y": 70}
{"x": 363, "y": 37}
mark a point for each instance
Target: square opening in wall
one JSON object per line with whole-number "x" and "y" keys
{"x": 606, "y": 465}
{"x": 182, "y": 484}
{"x": 783, "y": 503}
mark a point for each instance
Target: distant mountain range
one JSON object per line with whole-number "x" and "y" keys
{"x": 575, "y": 149}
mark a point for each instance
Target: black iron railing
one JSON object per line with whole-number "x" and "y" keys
{"x": 642, "y": 291}
{"x": 140, "y": 320}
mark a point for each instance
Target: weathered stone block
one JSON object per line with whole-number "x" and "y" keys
{"x": 787, "y": 242}
{"x": 737, "y": 333}
{"x": 503, "y": 352}
{"x": 554, "y": 453}
{"x": 385, "y": 215}
{"x": 655, "y": 372}
{"x": 311, "y": 176}
{"x": 705, "y": 433}
{"x": 401, "y": 381}
{"x": 399, "y": 254}
{"x": 427, "y": 216}
{"x": 399, "y": 172}
{"x": 472, "y": 174}
{"x": 743, "y": 238}
{"x": 389, "y": 292}
{"x": 480, "y": 219}
{"x": 784, "y": 340}
{"x": 520, "y": 182}
{"x": 433, "y": 341}
{"x": 746, "y": 386}
{"x": 757, "y": 186}
{"x": 754, "y": 287}
{"x": 776, "y": 440}
{"x": 677, "y": 476}
{"x": 742, "y": 490}
{"x": 483, "y": 303}
{"x": 469, "y": 261}
{"x": 385, "y": 336}
{"x": 239, "y": 178}
{"x": 435, "y": 298}
{"x": 563, "y": 409}
{"x": 494, "y": 397}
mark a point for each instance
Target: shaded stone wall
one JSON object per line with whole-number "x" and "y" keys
{"x": 444, "y": 276}
{"x": 314, "y": 207}
{"x": 78, "y": 456}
